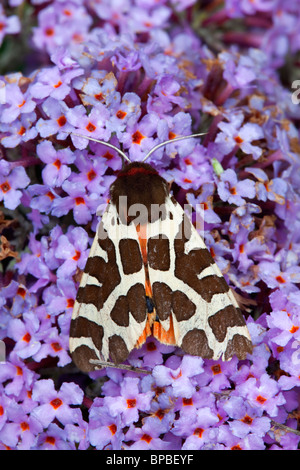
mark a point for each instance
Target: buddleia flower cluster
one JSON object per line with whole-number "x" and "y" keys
{"x": 136, "y": 73}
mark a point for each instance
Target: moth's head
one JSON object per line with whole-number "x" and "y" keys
{"x": 136, "y": 168}
{"x": 138, "y": 185}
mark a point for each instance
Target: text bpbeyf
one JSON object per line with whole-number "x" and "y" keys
{"x": 154, "y": 459}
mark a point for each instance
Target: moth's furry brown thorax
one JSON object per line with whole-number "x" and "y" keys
{"x": 141, "y": 185}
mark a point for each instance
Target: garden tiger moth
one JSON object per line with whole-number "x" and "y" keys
{"x": 151, "y": 275}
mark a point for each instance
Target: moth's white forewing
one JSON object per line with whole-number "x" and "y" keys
{"x": 204, "y": 309}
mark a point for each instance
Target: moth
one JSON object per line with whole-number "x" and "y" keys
{"x": 149, "y": 273}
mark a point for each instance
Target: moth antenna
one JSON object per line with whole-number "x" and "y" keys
{"x": 104, "y": 143}
{"x": 120, "y": 152}
{"x": 176, "y": 139}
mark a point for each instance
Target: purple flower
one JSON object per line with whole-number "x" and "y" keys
{"x": 100, "y": 87}
{"x": 61, "y": 24}
{"x": 54, "y": 438}
{"x": 285, "y": 325}
{"x": 105, "y": 430}
{"x": 217, "y": 374}
{"x": 239, "y": 71}
{"x": 21, "y": 432}
{"x": 260, "y": 362}
{"x": 42, "y": 197}
{"x": 146, "y": 437}
{"x": 77, "y": 434}
{"x": 25, "y": 333}
{"x": 142, "y": 19}
{"x": 124, "y": 113}
{"x": 51, "y": 82}
{"x": 56, "y": 404}
{"x": 273, "y": 276}
{"x": 4, "y": 402}
{"x": 291, "y": 381}
{"x": 203, "y": 432}
{"x": 166, "y": 95}
{"x": 56, "y": 169}
{"x": 112, "y": 386}
{"x": 219, "y": 250}
{"x": 56, "y": 111}
{"x": 9, "y": 25}
{"x": 130, "y": 402}
{"x": 235, "y": 135}
{"x": 162, "y": 412}
{"x": 151, "y": 352}
{"x": 245, "y": 282}
{"x": 179, "y": 377}
{"x": 22, "y": 299}
{"x": 82, "y": 204}
{"x": 246, "y": 419}
{"x": 231, "y": 442}
{"x": 106, "y": 157}
{"x": 263, "y": 394}
{"x": 177, "y": 126}
{"x": 274, "y": 190}
{"x": 288, "y": 212}
{"x": 243, "y": 216}
{"x": 92, "y": 125}
{"x": 190, "y": 176}
{"x": 16, "y": 103}
{"x": 205, "y": 200}
{"x": 15, "y": 376}
{"x": 91, "y": 170}
{"x": 251, "y": 8}
{"x": 138, "y": 138}
{"x": 127, "y": 60}
{"x": 245, "y": 251}
{"x": 60, "y": 297}
{"x": 20, "y": 130}
{"x": 288, "y": 441}
{"x": 232, "y": 190}
{"x": 10, "y": 184}
{"x": 34, "y": 263}
{"x": 73, "y": 249}
{"x": 55, "y": 344}
{"x": 196, "y": 412}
